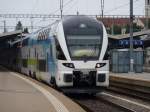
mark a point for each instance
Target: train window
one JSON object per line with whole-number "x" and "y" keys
{"x": 83, "y": 31}
{"x": 35, "y": 52}
{"x": 47, "y": 61}
{"x": 59, "y": 53}
{"x": 42, "y": 65}
{"x": 25, "y": 42}
{"x": 51, "y": 51}
{"x": 29, "y": 53}
{"x": 84, "y": 43}
{"x": 82, "y": 47}
{"x": 24, "y": 63}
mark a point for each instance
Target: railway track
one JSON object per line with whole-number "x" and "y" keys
{"x": 134, "y": 88}
{"x": 119, "y": 97}
{"x": 133, "y": 104}
{"x": 115, "y": 99}
{"x": 134, "y": 95}
{"x": 111, "y": 102}
{"x": 98, "y": 104}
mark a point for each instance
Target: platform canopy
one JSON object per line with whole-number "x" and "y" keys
{"x": 124, "y": 36}
{"x": 12, "y": 34}
{"x": 6, "y": 38}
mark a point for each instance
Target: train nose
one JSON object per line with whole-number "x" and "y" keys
{"x": 84, "y": 65}
{"x": 82, "y": 79}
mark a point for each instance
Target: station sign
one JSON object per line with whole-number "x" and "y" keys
{"x": 127, "y": 42}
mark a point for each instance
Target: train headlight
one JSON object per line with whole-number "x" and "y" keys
{"x": 98, "y": 65}
{"x": 70, "y": 65}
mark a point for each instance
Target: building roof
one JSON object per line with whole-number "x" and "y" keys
{"x": 10, "y": 34}
{"x": 109, "y": 21}
{"x": 135, "y": 34}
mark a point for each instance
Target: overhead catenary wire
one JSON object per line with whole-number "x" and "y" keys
{"x": 57, "y": 10}
{"x": 34, "y": 6}
{"x": 64, "y": 5}
{"x": 61, "y": 8}
{"x": 120, "y": 6}
{"x": 71, "y": 7}
{"x": 66, "y": 9}
{"x": 102, "y": 8}
{"x": 31, "y": 19}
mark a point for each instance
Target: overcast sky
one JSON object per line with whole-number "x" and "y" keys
{"x": 83, "y": 6}
{"x": 87, "y": 7}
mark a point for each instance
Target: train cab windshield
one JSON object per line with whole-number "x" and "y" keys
{"x": 83, "y": 38}
{"x": 84, "y": 44}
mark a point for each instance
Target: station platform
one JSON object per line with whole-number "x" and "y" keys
{"x": 19, "y": 93}
{"x": 135, "y": 76}
{"x": 139, "y": 79}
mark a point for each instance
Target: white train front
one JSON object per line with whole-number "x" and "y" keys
{"x": 68, "y": 54}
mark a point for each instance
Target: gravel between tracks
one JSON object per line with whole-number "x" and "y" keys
{"x": 94, "y": 104}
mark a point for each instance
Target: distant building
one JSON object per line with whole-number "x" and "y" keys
{"x": 122, "y": 24}
{"x": 147, "y": 7}
{"x": 108, "y": 22}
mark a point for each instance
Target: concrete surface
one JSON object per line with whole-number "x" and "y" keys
{"x": 136, "y": 79}
{"x": 16, "y": 95}
{"x": 136, "y": 76}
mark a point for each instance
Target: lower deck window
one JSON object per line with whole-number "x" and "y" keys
{"x": 24, "y": 63}
{"x": 42, "y": 65}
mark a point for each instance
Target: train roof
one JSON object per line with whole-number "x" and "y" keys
{"x": 77, "y": 20}
{"x": 81, "y": 22}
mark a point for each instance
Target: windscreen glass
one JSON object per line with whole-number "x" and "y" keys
{"x": 84, "y": 44}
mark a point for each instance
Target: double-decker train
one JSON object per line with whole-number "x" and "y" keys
{"x": 68, "y": 54}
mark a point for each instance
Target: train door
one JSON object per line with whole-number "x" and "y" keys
{"x": 37, "y": 66}
{"x": 51, "y": 62}
{"x": 48, "y": 64}
{"x": 29, "y": 64}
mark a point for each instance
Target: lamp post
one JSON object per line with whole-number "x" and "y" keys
{"x": 146, "y": 17}
{"x": 131, "y": 37}
{"x": 5, "y": 30}
{"x": 102, "y": 8}
{"x": 61, "y": 8}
